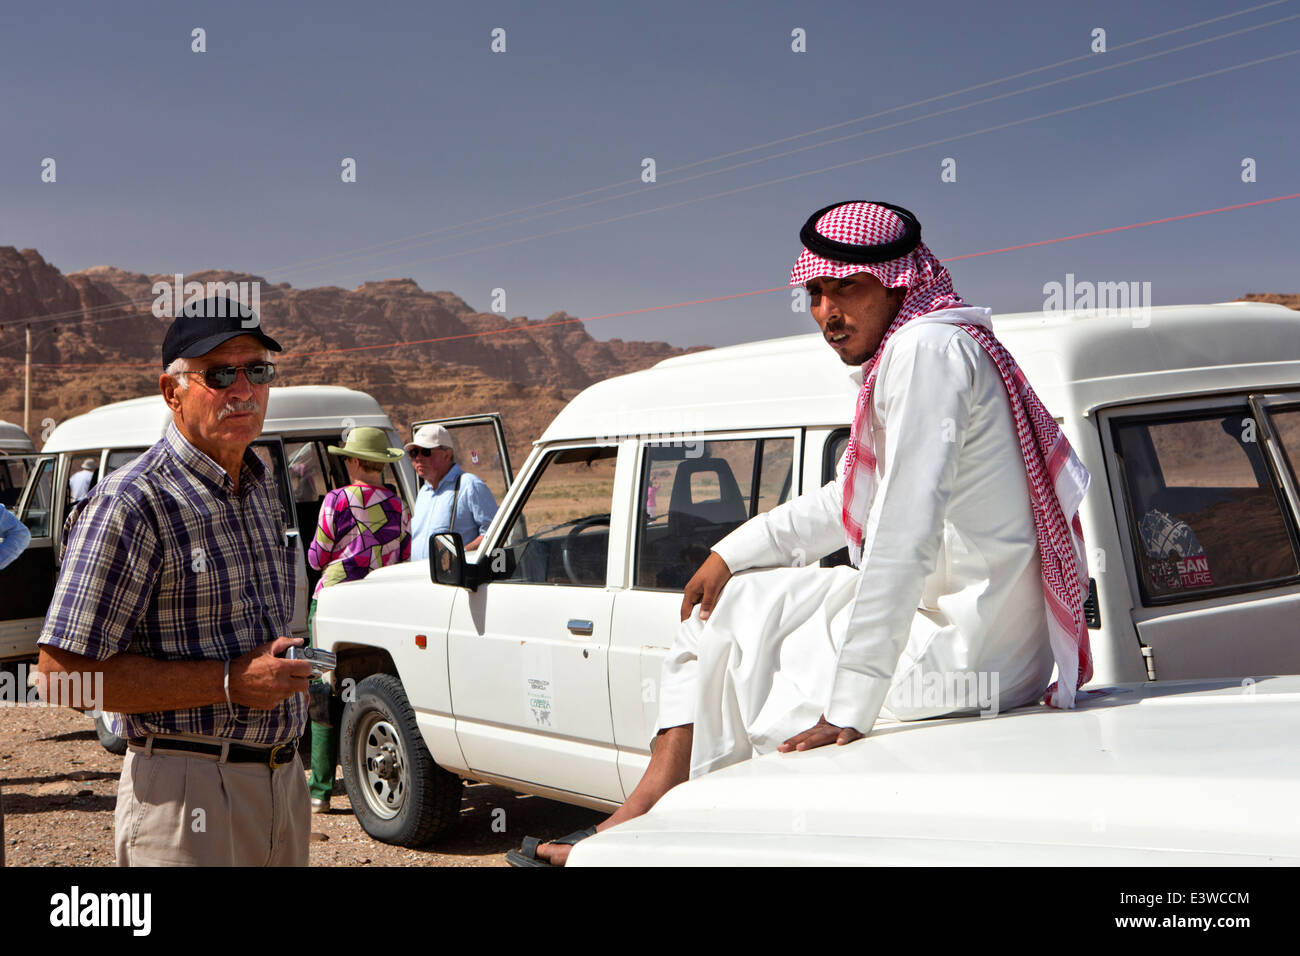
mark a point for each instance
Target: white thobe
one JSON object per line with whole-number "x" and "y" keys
{"x": 949, "y": 587}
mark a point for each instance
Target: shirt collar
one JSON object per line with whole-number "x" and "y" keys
{"x": 251, "y": 473}
{"x": 452, "y": 473}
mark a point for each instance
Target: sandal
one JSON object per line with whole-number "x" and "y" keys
{"x": 526, "y": 855}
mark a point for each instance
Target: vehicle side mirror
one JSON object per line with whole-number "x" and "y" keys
{"x": 447, "y": 559}
{"x": 447, "y": 562}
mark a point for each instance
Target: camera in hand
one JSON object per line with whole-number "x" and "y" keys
{"x": 321, "y": 661}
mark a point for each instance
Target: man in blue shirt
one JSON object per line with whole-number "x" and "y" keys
{"x": 13, "y": 537}
{"x": 446, "y": 490}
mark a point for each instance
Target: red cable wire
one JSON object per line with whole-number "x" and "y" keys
{"x": 719, "y": 298}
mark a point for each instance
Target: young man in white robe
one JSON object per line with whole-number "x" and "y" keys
{"x": 958, "y": 498}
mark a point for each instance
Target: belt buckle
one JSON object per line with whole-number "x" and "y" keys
{"x": 282, "y": 754}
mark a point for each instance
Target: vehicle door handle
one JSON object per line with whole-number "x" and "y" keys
{"x": 582, "y": 628}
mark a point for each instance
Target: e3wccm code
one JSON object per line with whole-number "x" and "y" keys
{"x": 1194, "y": 897}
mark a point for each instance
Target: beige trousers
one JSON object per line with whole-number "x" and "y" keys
{"x": 193, "y": 810}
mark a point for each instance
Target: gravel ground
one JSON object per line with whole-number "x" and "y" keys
{"x": 60, "y": 788}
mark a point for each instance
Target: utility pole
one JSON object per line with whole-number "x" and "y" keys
{"x": 27, "y": 383}
{"x": 27, "y": 378}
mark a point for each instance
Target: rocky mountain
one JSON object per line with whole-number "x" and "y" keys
{"x": 96, "y": 340}
{"x": 1290, "y": 300}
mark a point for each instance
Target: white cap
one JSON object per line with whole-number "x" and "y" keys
{"x": 430, "y": 436}
{"x": 89, "y": 464}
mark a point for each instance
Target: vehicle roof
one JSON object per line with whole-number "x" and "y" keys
{"x": 142, "y": 421}
{"x": 1146, "y": 770}
{"x": 13, "y": 439}
{"x": 1075, "y": 361}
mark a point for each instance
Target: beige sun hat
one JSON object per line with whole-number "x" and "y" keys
{"x": 368, "y": 443}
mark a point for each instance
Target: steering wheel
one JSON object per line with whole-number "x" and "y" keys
{"x": 570, "y": 542}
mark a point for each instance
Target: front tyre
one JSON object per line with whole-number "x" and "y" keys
{"x": 398, "y": 793}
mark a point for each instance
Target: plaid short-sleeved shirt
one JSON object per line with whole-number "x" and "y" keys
{"x": 162, "y": 560}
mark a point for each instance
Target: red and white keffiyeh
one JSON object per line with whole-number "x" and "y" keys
{"x": 1057, "y": 479}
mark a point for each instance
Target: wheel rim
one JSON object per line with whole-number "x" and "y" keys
{"x": 381, "y": 759}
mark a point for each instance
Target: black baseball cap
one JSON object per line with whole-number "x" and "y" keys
{"x": 202, "y": 326}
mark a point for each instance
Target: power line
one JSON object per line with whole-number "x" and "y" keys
{"x": 644, "y": 189}
{"x": 776, "y": 142}
{"x": 531, "y": 327}
{"x": 1135, "y": 225}
{"x": 334, "y": 258}
{"x": 855, "y": 162}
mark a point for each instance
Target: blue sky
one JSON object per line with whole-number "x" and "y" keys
{"x": 170, "y": 160}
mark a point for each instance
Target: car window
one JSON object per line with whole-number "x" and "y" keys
{"x": 122, "y": 457}
{"x": 1286, "y": 422}
{"x": 692, "y": 496}
{"x": 477, "y": 452}
{"x": 13, "y": 479}
{"x": 36, "y": 512}
{"x": 270, "y": 453}
{"x": 306, "y": 471}
{"x": 1204, "y": 513}
{"x": 836, "y": 445}
{"x": 560, "y": 532}
{"x": 309, "y": 482}
{"x": 74, "y": 479}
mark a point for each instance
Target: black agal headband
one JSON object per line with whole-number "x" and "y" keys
{"x": 819, "y": 245}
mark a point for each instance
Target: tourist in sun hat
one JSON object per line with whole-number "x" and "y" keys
{"x": 362, "y": 526}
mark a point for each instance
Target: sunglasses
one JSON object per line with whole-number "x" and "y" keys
{"x": 223, "y": 376}
{"x": 419, "y": 452}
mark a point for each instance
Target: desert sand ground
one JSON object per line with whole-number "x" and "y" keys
{"x": 60, "y": 788}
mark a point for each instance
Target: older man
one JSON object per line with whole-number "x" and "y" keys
{"x": 178, "y": 589}
{"x": 449, "y": 499}
{"x": 958, "y": 499}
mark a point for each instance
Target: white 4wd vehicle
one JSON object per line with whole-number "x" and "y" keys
{"x": 540, "y": 673}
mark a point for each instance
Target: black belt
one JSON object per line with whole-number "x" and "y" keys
{"x": 273, "y": 757}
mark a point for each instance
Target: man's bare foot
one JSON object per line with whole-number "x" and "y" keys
{"x": 557, "y": 854}
{"x": 670, "y": 764}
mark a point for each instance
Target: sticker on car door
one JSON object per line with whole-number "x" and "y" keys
{"x": 539, "y": 698}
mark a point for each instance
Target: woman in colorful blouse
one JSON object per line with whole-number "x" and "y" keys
{"x": 362, "y": 525}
